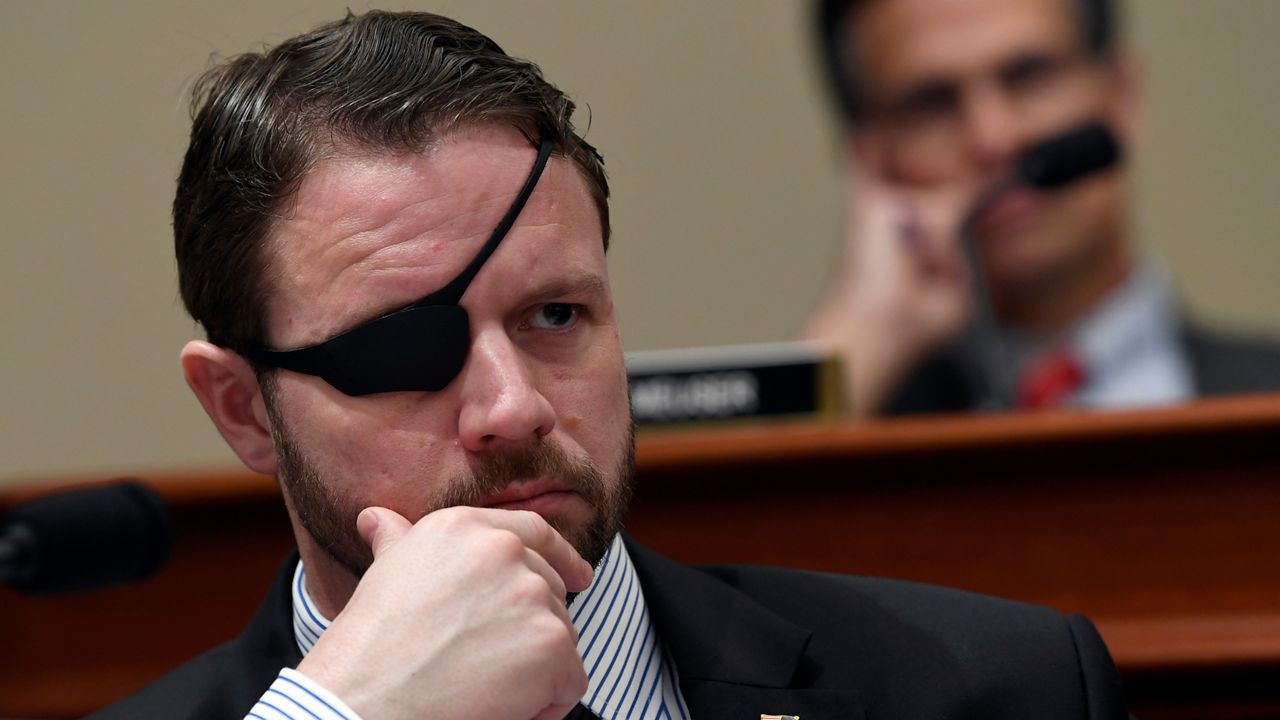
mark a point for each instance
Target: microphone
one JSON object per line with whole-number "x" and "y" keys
{"x": 85, "y": 539}
{"x": 1050, "y": 164}
{"x": 1063, "y": 159}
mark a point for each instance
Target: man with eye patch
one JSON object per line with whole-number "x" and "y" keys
{"x": 394, "y": 240}
{"x": 938, "y": 101}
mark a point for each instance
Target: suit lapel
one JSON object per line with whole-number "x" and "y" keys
{"x": 268, "y": 643}
{"x": 736, "y": 659}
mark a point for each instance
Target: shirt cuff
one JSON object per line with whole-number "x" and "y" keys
{"x": 294, "y": 696}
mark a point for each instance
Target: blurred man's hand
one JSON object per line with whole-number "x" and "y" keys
{"x": 902, "y": 290}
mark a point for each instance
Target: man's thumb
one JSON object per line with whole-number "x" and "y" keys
{"x": 381, "y": 528}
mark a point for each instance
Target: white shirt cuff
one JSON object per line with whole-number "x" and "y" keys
{"x": 294, "y": 696}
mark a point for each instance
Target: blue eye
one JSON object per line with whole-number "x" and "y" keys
{"x": 555, "y": 316}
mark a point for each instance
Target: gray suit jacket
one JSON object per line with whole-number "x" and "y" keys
{"x": 748, "y": 641}
{"x": 1225, "y": 365}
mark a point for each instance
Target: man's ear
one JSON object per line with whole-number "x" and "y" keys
{"x": 227, "y": 388}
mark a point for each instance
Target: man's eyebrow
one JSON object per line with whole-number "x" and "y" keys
{"x": 578, "y": 284}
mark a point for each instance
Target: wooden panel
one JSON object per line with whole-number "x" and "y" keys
{"x": 1160, "y": 525}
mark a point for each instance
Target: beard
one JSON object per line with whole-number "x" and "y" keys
{"x": 330, "y": 516}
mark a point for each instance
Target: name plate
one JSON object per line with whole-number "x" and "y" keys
{"x": 733, "y": 382}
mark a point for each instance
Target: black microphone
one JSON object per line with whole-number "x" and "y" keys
{"x": 1050, "y": 164}
{"x": 1068, "y": 157}
{"x": 85, "y": 539}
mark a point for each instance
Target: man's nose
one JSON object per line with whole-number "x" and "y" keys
{"x": 502, "y": 405}
{"x": 994, "y": 131}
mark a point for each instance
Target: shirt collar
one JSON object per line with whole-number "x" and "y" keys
{"x": 1140, "y": 314}
{"x": 630, "y": 676}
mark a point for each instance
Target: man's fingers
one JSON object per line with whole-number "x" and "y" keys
{"x": 942, "y": 209}
{"x": 539, "y": 565}
{"x": 543, "y": 539}
{"x": 380, "y": 527}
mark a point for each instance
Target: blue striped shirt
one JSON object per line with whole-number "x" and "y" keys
{"x": 629, "y": 674}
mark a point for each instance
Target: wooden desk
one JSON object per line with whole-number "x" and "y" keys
{"x": 1160, "y": 525}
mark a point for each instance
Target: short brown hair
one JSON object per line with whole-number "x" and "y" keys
{"x": 389, "y": 82}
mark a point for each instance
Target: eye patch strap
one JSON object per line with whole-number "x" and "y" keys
{"x": 452, "y": 293}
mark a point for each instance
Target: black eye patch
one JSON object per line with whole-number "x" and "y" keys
{"x": 420, "y": 347}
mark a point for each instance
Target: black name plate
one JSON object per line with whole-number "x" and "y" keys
{"x": 732, "y": 382}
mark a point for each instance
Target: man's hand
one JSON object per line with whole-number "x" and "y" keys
{"x": 461, "y": 615}
{"x": 902, "y": 290}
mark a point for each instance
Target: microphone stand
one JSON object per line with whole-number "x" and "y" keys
{"x": 982, "y": 346}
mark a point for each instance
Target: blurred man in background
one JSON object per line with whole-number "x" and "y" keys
{"x": 939, "y": 99}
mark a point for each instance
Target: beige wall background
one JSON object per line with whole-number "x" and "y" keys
{"x": 716, "y": 136}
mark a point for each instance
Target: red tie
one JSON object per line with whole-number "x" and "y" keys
{"x": 1049, "y": 379}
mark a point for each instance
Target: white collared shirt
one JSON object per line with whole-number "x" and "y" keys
{"x": 629, "y": 675}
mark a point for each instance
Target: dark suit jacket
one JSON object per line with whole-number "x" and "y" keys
{"x": 1220, "y": 365}
{"x": 751, "y": 640}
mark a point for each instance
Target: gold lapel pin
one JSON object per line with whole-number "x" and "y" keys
{"x": 779, "y": 717}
